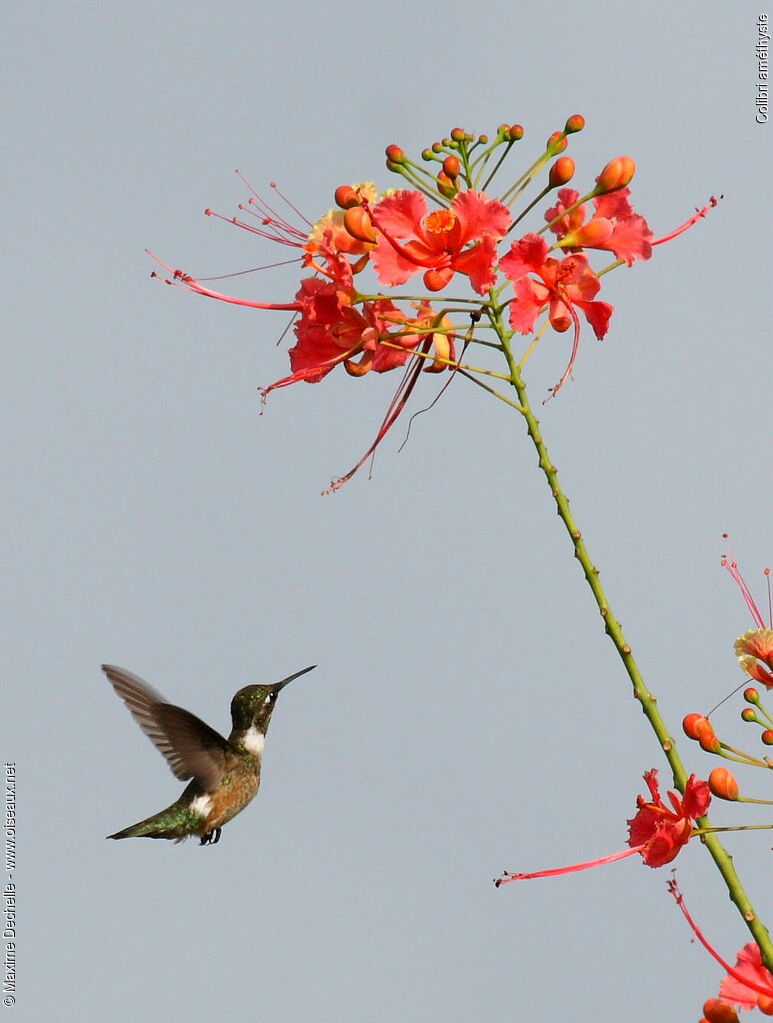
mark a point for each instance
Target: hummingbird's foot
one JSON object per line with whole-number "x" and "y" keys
{"x": 211, "y": 837}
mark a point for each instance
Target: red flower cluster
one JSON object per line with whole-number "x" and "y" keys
{"x": 398, "y": 236}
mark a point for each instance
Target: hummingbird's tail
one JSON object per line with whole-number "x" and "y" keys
{"x": 160, "y": 825}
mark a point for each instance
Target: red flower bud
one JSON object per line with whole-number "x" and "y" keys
{"x": 458, "y": 134}
{"x": 616, "y": 174}
{"x": 561, "y": 171}
{"x": 723, "y": 784}
{"x": 751, "y": 695}
{"x": 515, "y": 132}
{"x": 556, "y": 143}
{"x": 767, "y": 737}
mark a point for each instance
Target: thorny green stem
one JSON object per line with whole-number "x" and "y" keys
{"x": 613, "y": 629}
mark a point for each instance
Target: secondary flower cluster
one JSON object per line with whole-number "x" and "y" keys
{"x": 754, "y": 650}
{"x": 446, "y": 227}
{"x": 748, "y": 984}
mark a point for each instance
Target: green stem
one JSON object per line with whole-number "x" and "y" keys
{"x": 722, "y": 859}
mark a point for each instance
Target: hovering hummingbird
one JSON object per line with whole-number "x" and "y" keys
{"x": 225, "y": 773}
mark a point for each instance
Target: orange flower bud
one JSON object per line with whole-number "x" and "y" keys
{"x": 451, "y": 166}
{"x": 723, "y": 784}
{"x": 708, "y": 740}
{"x": 751, "y": 695}
{"x": 616, "y": 174}
{"x": 765, "y": 1005}
{"x": 357, "y": 222}
{"x": 561, "y": 171}
{"x": 749, "y": 715}
{"x": 445, "y": 186}
{"x": 767, "y": 737}
{"x": 345, "y": 197}
{"x": 691, "y": 724}
{"x": 515, "y": 132}
{"x": 716, "y": 1010}
{"x": 574, "y": 123}
{"x": 395, "y": 154}
{"x": 556, "y": 143}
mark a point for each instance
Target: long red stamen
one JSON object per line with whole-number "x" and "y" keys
{"x": 573, "y": 356}
{"x": 673, "y": 888}
{"x": 689, "y": 223}
{"x": 396, "y": 406}
{"x": 507, "y": 877}
{"x": 182, "y": 280}
{"x": 732, "y": 567}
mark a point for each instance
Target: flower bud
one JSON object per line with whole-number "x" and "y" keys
{"x": 445, "y": 186}
{"x": 765, "y": 1005}
{"x": 561, "y": 171}
{"x": 692, "y": 722}
{"x": 458, "y": 134}
{"x": 358, "y": 223}
{"x": 751, "y": 695}
{"x": 616, "y": 174}
{"x": 708, "y": 740}
{"x": 723, "y": 784}
{"x": 717, "y": 1010}
{"x": 556, "y": 143}
{"x": 767, "y": 737}
{"x": 346, "y": 197}
{"x": 515, "y": 132}
{"x": 574, "y": 123}
{"x": 749, "y": 715}
{"x": 451, "y": 166}
{"x": 395, "y": 154}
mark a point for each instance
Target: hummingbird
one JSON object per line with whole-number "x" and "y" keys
{"x": 224, "y": 773}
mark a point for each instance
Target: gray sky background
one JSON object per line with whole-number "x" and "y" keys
{"x": 467, "y": 714}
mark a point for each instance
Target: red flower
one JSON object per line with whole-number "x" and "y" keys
{"x": 614, "y": 226}
{"x": 656, "y": 833}
{"x": 460, "y": 238}
{"x": 561, "y": 285}
{"x": 331, "y": 330}
{"x": 659, "y": 833}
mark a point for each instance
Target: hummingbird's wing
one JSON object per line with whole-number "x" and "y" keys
{"x": 191, "y": 748}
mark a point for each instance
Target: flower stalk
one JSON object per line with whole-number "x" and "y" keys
{"x": 613, "y": 629}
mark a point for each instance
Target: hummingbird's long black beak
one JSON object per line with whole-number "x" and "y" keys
{"x": 280, "y": 685}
